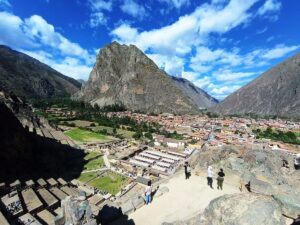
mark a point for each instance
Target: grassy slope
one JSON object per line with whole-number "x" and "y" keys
{"x": 85, "y": 177}
{"x": 81, "y": 135}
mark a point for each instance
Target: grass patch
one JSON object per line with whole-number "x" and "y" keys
{"x": 82, "y": 135}
{"x": 111, "y": 182}
{"x": 85, "y": 177}
{"x": 91, "y": 155}
{"x": 94, "y": 164}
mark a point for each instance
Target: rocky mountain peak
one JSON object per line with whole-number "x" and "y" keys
{"x": 124, "y": 74}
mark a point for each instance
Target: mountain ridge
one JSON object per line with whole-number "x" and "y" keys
{"x": 28, "y": 77}
{"x": 274, "y": 92}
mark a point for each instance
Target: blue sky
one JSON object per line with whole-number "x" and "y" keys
{"x": 219, "y": 45}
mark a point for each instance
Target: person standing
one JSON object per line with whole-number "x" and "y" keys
{"x": 220, "y": 179}
{"x": 187, "y": 170}
{"x": 248, "y": 186}
{"x": 148, "y": 193}
{"x": 210, "y": 177}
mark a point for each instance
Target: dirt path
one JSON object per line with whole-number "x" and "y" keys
{"x": 185, "y": 199}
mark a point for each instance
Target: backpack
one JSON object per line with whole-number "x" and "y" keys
{"x": 188, "y": 169}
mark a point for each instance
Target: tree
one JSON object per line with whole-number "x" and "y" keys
{"x": 137, "y": 135}
{"x": 96, "y": 107}
{"x": 149, "y": 136}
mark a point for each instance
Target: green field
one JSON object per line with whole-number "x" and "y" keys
{"x": 95, "y": 163}
{"x": 82, "y": 135}
{"x": 125, "y": 133}
{"x": 111, "y": 182}
{"x": 91, "y": 155}
{"x": 85, "y": 177}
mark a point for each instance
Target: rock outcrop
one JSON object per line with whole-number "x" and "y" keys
{"x": 246, "y": 209}
{"x": 275, "y": 92}
{"x": 275, "y": 187}
{"x": 236, "y": 209}
{"x": 76, "y": 210}
{"x": 125, "y": 75}
{"x": 29, "y": 78}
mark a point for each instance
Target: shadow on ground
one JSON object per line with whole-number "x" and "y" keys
{"x": 113, "y": 215}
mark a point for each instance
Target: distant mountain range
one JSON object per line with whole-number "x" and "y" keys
{"x": 275, "y": 92}
{"x": 125, "y": 75}
{"x": 27, "y": 77}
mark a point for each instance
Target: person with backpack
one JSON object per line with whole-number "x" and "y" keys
{"x": 220, "y": 179}
{"x": 187, "y": 170}
{"x": 210, "y": 176}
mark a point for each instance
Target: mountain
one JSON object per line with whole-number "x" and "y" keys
{"x": 27, "y": 77}
{"x": 197, "y": 95}
{"x": 275, "y": 92}
{"x": 125, "y": 75}
{"x": 81, "y": 81}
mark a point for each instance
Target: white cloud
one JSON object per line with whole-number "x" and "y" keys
{"x": 33, "y": 35}
{"x": 191, "y": 30}
{"x": 176, "y": 3}
{"x": 40, "y": 55}
{"x": 99, "y": 5}
{"x": 228, "y": 75}
{"x": 132, "y": 8}
{"x": 127, "y": 33}
{"x": 70, "y": 66}
{"x": 262, "y": 30}
{"x": 269, "y": 6}
{"x": 198, "y": 67}
{"x": 173, "y": 65}
{"x": 13, "y": 32}
{"x": 220, "y": 21}
{"x": 270, "y": 10}
{"x": 203, "y": 82}
{"x": 279, "y": 51}
{"x": 190, "y": 75}
{"x": 73, "y": 67}
{"x": 222, "y": 92}
{"x": 97, "y": 16}
{"x": 45, "y": 33}
{"x": 205, "y": 58}
{"x": 97, "y": 19}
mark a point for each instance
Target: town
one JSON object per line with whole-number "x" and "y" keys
{"x": 119, "y": 163}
